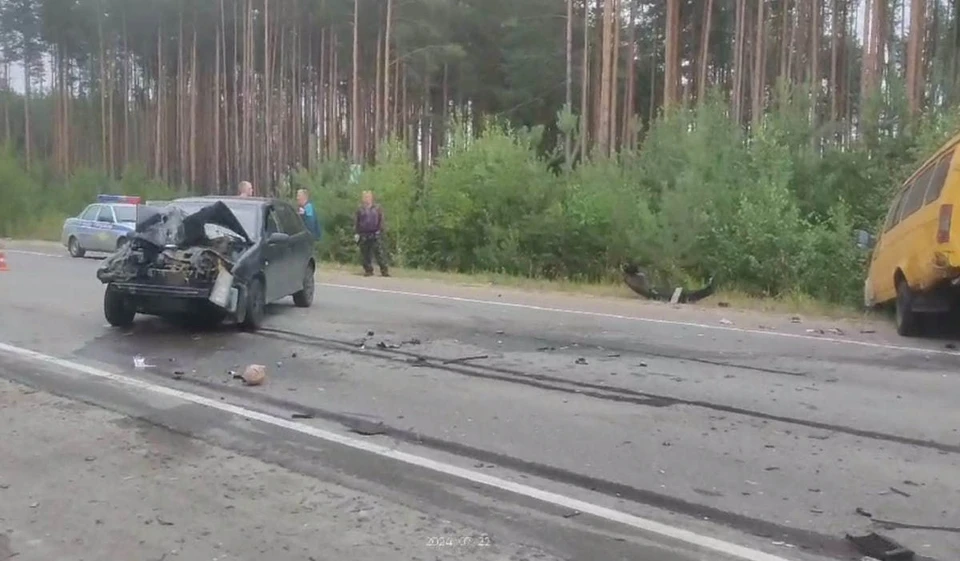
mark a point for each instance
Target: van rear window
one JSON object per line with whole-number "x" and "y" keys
{"x": 939, "y": 178}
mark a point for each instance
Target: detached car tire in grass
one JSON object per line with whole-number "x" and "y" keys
{"x": 116, "y": 309}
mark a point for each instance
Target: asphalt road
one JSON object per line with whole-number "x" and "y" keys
{"x": 481, "y": 423}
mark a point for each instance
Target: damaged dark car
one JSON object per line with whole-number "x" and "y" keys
{"x": 208, "y": 259}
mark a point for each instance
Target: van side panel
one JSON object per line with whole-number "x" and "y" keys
{"x": 910, "y": 245}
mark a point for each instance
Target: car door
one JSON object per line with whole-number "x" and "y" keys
{"x": 102, "y": 239}
{"x": 276, "y": 256}
{"x": 301, "y": 244}
{"x": 83, "y": 229}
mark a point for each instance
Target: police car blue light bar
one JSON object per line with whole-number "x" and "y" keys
{"x": 121, "y": 199}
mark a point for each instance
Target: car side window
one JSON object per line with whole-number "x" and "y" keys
{"x": 939, "y": 178}
{"x": 90, "y": 213}
{"x": 290, "y": 220}
{"x": 106, "y": 215}
{"x": 913, "y": 199}
{"x": 894, "y": 217}
{"x": 272, "y": 225}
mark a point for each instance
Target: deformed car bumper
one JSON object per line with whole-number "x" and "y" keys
{"x": 165, "y": 300}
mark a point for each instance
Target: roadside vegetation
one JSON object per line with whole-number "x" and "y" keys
{"x": 682, "y": 136}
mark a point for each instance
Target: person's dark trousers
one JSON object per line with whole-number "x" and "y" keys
{"x": 372, "y": 248}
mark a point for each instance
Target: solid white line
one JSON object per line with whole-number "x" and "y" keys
{"x": 37, "y": 253}
{"x": 641, "y": 319}
{"x": 643, "y": 524}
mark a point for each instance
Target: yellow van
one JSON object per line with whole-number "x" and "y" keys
{"x": 916, "y": 259}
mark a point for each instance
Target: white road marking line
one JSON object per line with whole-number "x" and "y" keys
{"x": 637, "y": 522}
{"x": 37, "y": 253}
{"x": 642, "y": 319}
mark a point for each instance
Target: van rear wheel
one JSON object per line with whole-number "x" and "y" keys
{"x": 908, "y": 321}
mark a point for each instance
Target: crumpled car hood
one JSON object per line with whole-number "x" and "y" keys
{"x": 172, "y": 226}
{"x": 170, "y": 241}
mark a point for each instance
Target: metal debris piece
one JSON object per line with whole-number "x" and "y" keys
{"x": 370, "y": 333}
{"x": 413, "y": 341}
{"x": 862, "y": 512}
{"x": 140, "y": 363}
{"x": 254, "y": 375}
{"x": 418, "y": 361}
{"x": 725, "y": 321}
{"x": 544, "y": 349}
{"x": 795, "y": 319}
{"x": 880, "y": 547}
{"x": 572, "y": 514}
{"x": 366, "y": 427}
{"x": 901, "y": 493}
{"x": 385, "y": 345}
{"x": 581, "y": 360}
{"x": 301, "y": 416}
{"x": 465, "y": 359}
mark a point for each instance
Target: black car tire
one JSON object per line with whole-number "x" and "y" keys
{"x": 907, "y": 320}
{"x": 116, "y": 309}
{"x": 73, "y": 246}
{"x": 304, "y": 297}
{"x": 256, "y": 304}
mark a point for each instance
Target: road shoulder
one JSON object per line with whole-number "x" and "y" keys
{"x": 77, "y": 481}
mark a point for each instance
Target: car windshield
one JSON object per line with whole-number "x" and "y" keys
{"x": 246, "y": 214}
{"x": 125, "y": 213}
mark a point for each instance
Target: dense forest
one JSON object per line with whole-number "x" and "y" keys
{"x": 558, "y": 138}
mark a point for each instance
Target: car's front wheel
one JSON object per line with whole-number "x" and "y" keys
{"x": 256, "y": 303}
{"x": 73, "y": 246}
{"x": 304, "y": 297}
{"x": 116, "y": 308}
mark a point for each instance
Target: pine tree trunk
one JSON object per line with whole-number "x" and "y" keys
{"x": 914, "y": 77}
{"x": 759, "y": 66}
{"x": 671, "y": 63}
{"x": 603, "y": 128}
{"x": 387, "y": 128}
{"x": 705, "y": 50}
{"x": 585, "y": 85}
{"x": 355, "y": 83}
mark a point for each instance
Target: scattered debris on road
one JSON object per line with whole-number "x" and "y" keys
{"x": 796, "y": 319}
{"x": 163, "y": 522}
{"x": 725, "y": 321}
{"x": 545, "y": 349}
{"x": 572, "y": 514}
{"x": 365, "y": 427}
{"x": 140, "y": 363}
{"x": 254, "y": 375}
{"x": 581, "y": 360}
{"x": 301, "y": 416}
{"x": 413, "y": 341}
{"x": 862, "y": 512}
{"x": 880, "y": 547}
{"x": 901, "y": 493}
{"x": 385, "y": 345}
{"x": 465, "y": 359}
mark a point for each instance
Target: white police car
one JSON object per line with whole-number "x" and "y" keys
{"x": 103, "y": 226}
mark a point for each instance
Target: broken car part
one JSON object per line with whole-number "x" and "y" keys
{"x": 637, "y": 280}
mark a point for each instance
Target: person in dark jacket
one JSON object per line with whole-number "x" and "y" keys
{"x": 369, "y": 226}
